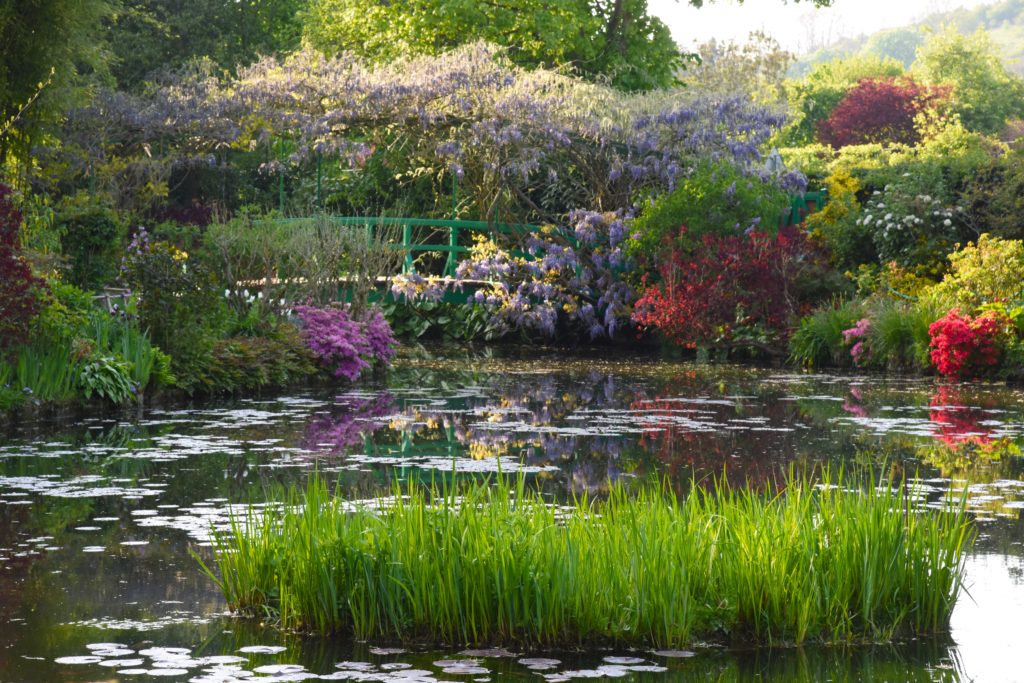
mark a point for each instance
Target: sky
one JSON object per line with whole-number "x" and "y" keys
{"x": 799, "y": 27}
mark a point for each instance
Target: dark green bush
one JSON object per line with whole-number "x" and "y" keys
{"x": 994, "y": 197}
{"x": 180, "y": 302}
{"x": 243, "y": 363}
{"x": 91, "y": 239}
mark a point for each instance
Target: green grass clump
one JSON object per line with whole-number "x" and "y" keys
{"x": 818, "y": 342}
{"x": 480, "y": 563}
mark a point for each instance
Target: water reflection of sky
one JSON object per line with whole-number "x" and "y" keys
{"x": 122, "y": 501}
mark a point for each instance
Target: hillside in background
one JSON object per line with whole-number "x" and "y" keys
{"x": 1003, "y": 21}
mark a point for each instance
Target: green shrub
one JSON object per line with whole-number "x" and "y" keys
{"x": 994, "y": 197}
{"x": 423, "y": 319}
{"x": 837, "y": 224}
{"x": 65, "y": 316}
{"x": 913, "y": 226}
{"x": 91, "y": 239}
{"x": 180, "y": 302}
{"x": 717, "y": 199}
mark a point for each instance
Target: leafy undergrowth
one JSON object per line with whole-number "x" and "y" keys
{"x": 494, "y": 563}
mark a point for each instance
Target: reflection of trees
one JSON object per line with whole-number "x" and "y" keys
{"x": 743, "y": 456}
{"x": 593, "y": 426}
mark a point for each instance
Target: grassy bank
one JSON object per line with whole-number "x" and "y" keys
{"x": 497, "y": 565}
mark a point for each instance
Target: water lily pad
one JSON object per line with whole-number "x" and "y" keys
{"x": 121, "y": 662}
{"x": 539, "y": 663}
{"x": 625, "y": 660}
{"x": 465, "y": 670}
{"x": 409, "y": 674}
{"x": 222, "y": 659}
{"x": 114, "y": 652}
{"x": 279, "y": 669}
{"x": 262, "y": 649}
{"x": 80, "y": 659}
{"x": 356, "y": 666}
{"x": 455, "y": 662}
{"x": 166, "y": 652}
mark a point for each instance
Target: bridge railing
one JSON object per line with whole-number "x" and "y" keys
{"x": 451, "y": 231}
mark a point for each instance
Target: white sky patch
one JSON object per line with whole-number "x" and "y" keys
{"x": 799, "y": 27}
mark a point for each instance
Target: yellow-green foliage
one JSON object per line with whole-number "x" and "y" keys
{"x": 991, "y": 269}
{"x": 842, "y": 201}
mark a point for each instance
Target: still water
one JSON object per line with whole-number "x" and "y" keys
{"x": 98, "y": 520}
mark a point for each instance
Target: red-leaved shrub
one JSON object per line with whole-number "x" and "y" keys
{"x": 879, "y": 110}
{"x": 729, "y": 291}
{"x": 962, "y": 346}
{"x": 19, "y": 289}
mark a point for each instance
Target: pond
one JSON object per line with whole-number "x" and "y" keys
{"x": 97, "y": 519}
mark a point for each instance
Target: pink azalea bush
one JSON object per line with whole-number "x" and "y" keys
{"x": 858, "y": 337}
{"x": 345, "y": 346}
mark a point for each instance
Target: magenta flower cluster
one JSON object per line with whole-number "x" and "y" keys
{"x": 345, "y": 346}
{"x": 858, "y": 336}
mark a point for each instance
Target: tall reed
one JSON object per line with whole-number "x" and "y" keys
{"x": 482, "y": 563}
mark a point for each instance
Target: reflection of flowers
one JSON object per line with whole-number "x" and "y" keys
{"x": 335, "y": 433}
{"x": 956, "y": 424}
{"x": 853, "y": 403}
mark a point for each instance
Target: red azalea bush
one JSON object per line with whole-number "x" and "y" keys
{"x": 19, "y": 289}
{"x": 879, "y": 110}
{"x": 739, "y": 290}
{"x": 962, "y": 346}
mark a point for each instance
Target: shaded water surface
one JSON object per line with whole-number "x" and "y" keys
{"x": 97, "y": 520}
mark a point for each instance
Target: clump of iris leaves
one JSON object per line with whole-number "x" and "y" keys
{"x": 494, "y": 562}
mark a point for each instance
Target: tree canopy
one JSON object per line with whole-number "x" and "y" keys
{"x": 617, "y": 40}
{"x": 147, "y": 35}
{"x": 62, "y": 37}
{"x": 985, "y": 93}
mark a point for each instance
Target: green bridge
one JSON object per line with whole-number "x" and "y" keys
{"x": 450, "y": 237}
